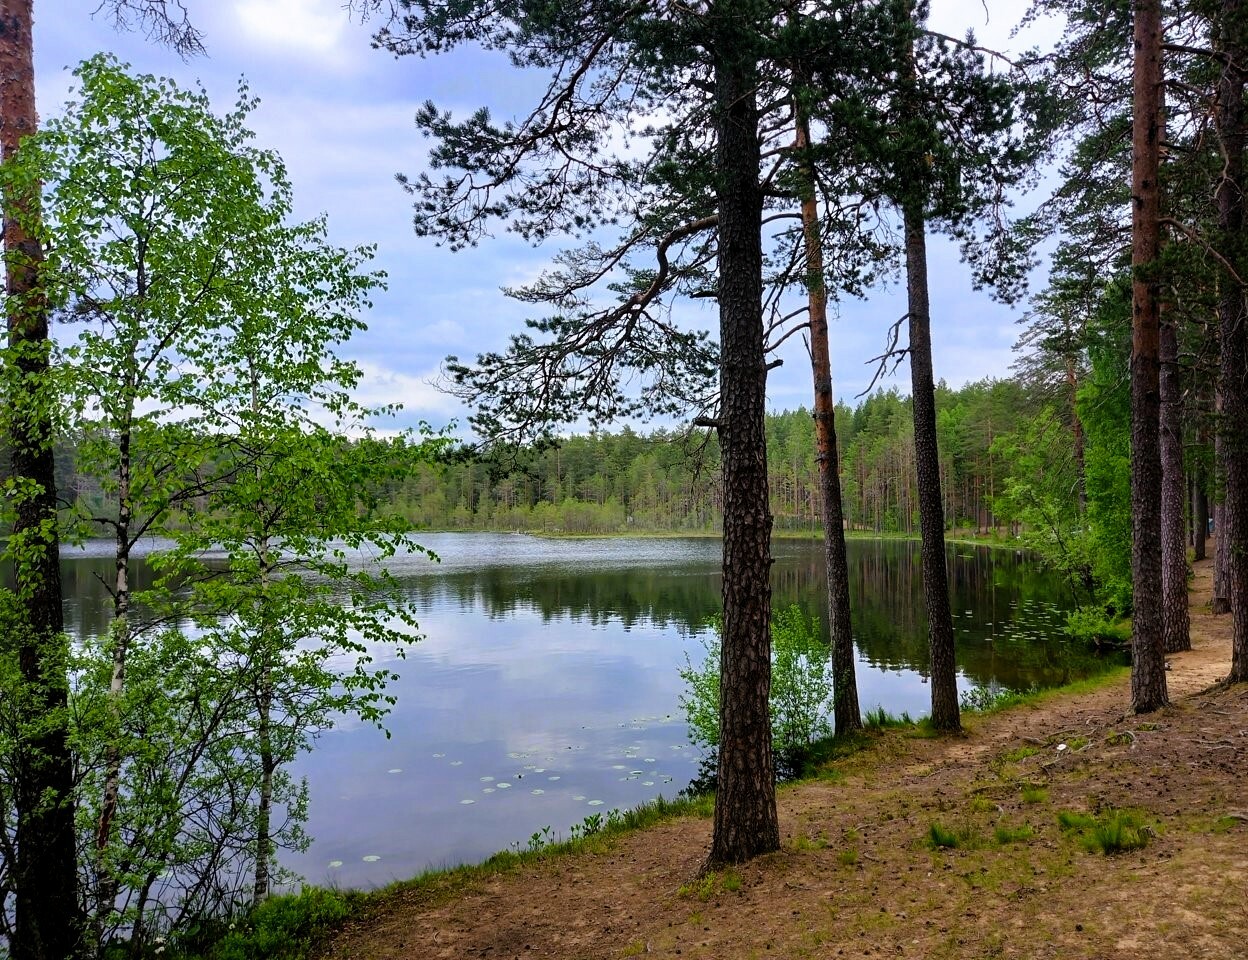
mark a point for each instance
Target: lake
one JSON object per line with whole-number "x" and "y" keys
{"x": 546, "y": 688}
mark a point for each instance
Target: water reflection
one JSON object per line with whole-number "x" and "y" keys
{"x": 547, "y": 687}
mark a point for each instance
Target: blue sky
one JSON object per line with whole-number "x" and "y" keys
{"x": 340, "y": 114}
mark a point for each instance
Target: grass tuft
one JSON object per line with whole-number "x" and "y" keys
{"x": 940, "y": 837}
{"x": 1114, "y": 831}
{"x": 1004, "y": 834}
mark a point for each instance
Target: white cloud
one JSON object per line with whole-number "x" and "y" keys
{"x": 416, "y": 392}
{"x": 303, "y": 29}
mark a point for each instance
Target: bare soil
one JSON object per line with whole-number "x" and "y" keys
{"x": 857, "y": 878}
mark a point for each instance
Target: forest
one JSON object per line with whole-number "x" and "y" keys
{"x": 179, "y": 364}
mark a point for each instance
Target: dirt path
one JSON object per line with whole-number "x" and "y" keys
{"x": 856, "y": 877}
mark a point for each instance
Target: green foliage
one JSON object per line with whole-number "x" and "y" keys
{"x": 983, "y": 698}
{"x": 801, "y": 691}
{"x": 284, "y": 927}
{"x": 1040, "y": 494}
{"x": 1092, "y": 627}
{"x": 1105, "y": 408}
{"x": 209, "y": 403}
{"x": 1034, "y": 793}
{"x": 628, "y": 482}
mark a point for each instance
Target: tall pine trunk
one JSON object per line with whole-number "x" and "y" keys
{"x": 44, "y": 878}
{"x": 945, "y": 715}
{"x": 1221, "y": 602}
{"x": 1148, "y": 676}
{"x": 1232, "y": 447}
{"x": 846, "y": 710}
{"x": 745, "y": 822}
{"x": 1076, "y": 429}
{"x": 1200, "y": 515}
{"x": 1176, "y": 623}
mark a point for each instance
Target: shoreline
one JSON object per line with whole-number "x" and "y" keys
{"x": 1012, "y": 881}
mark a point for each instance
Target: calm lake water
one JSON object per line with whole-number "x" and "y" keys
{"x": 546, "y": 688}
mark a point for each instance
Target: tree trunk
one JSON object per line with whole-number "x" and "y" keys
{"x": 846, "y": 710}
{"x": 264, "y": 805}
{"x": 44, "y": 876}
{"x": 1233, "y": 333}
{"x": 119, "y": 635}
{"x": 1176, "y": 624}
{"x": 1148, "y": 674}
{"x": 1076, "y": 428}
{"x": 945, "y": 714}
{"x": 745, "y": 822}
{"x": 47, "y": 920}
{"x": 1200, "y": 515}
{"x": 1221, "y": 602}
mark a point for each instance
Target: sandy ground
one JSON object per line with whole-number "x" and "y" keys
{"x": 856, "y": 877}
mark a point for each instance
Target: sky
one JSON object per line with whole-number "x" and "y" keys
{"x": 341, "y": 116}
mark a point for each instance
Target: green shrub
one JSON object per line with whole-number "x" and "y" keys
{"x": 282, "y": 927}
{"x": 801, "y": 692}
{"x": 1091, "y": 626}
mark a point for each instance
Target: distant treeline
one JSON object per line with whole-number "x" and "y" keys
{"x": 609, "y": 482}
{"x": 665, "y": 481}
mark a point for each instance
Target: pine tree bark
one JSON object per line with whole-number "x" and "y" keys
{"x": 1076, "y": 429}
{"x": 1232, "y": 446}
{"x": 1221, "y": 602}
{"x": 945, "y": 714}
{"x": 1148, "y": 676}
{"x": 1176, "y": 623}
{"x": 44, "y": 876}
{"x": 1200, "y": 515}
{"x": 745, "y": 821}
{"x": 846, "y": 710}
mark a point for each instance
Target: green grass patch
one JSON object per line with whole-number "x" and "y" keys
{"x": 1034, "y": 793}
{"x": 1018, "y": 754}
{"x": 1005, "y": 834}
{"x": 881, "y": 719}
{"x": 940, "y": 837}
{"x": 1112, "y": 831}
{"x": 710, "y": 884}
{"x": 848, "y": 857}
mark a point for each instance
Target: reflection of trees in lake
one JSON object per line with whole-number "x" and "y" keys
{"x": 1007, "y": 613}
